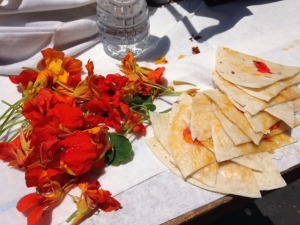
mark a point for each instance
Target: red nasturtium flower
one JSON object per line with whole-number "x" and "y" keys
{"x": 35, "y": 204}
{"x": 92, "y": 198}
{"x": 25, "y": 78}
{"x": 78, "y": 153}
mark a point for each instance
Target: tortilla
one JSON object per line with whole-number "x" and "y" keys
{"x": 231, "y": 178}
{"x": 200, "y": 118}
{"x": 160, "y": 124}
{"x": 241, "y": 69}
{"x": 249, "y": 103}
{"x": 262, "y": 121}
{"x": 225, "y": 149}
{"x": 281, "y": 126}
{"x": 233, "y": 114}
{"x": 283, "y": 111}
{"x": 268, "y": 92}
{"x": 236, "y": 179}
{"x": 188, "y": 157}
{"x": 208, "y": 174}
{"x": 161, "y": 153}
{"x": 296, "y": 104}
{"x": 270, "y": 178}
{"x": 252, "y": 161}
{"x": 233, "y": 131}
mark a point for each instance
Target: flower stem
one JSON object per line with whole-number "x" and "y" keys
{"x": 64, "y": 86}
{"x": 8, "y": 115}
{"x": 73, "y": 215}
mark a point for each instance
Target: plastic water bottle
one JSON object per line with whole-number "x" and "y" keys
{"x": 123, "y": 26}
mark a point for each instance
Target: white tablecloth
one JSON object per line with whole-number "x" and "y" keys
{"x": 147, "y": 190}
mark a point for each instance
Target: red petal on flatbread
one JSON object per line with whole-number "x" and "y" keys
{"x": 262, "y": 67}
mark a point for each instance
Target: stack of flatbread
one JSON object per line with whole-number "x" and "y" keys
{"x": 222, "y": 139}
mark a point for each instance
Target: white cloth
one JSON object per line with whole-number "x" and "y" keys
{"x": 22, "y": 6}
{"x": 71, "y": 28}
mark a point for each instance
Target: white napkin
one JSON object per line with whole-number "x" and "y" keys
{"x": 19, "y": 6}
{"x": 24, "y": 35}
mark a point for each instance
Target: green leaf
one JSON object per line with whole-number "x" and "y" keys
{"x": 121, "y": 149}
{"x": 137, "y": 100}
{"x": 150, "y": 106}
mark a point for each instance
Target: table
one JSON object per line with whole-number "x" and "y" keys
{"x": 148, "y": 191}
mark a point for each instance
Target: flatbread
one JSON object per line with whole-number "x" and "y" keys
{"x": 188, "y": 157}
{"x": 233, "y": 114}
{"x": 208, "y": 174}
{"x": 262, "y": 121}
{"x": 160, "y": 124}
{"x": 200, "y": 125}
{"x": 234, "y": 178}
{"x": 233, "y": 131}
{"x": 161, "y": 153}
{"x": 270, "y": 178}
{"x": 283, "y": 111}
{"x": 249, "y": 103}
{"x": 225, "y": 149}
{"x": 268, "y": 92}
{"x": 296, "y": 104}
{"x": 281, "y": 126}
{"x": 253, "y": 161}
{"x": 231, "y": 178}
{"x": 240, "y": 69}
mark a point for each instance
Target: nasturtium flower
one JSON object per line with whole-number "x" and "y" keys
{"x": 49, "y": 54}
{"x": 34, "y": 109}
{"x": 139, "y": 129}
{"x": 31, "y": 205}
{"x": 42, "y": 177}
{"x": 25, "y": 79}
{"x": 78, "y": 153}
{"x": 72, "y": 66}
{"x": 93, "y": 198}
{"x": 18, "y": 152}
{"x": 12, "y": 153}
{"x": 103, "y": 112}
{"x": 155, "y": 75}
{"x": 34, "y": 205}
{"x": 69, "y": 116}
{"x": 90, "y": 67}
